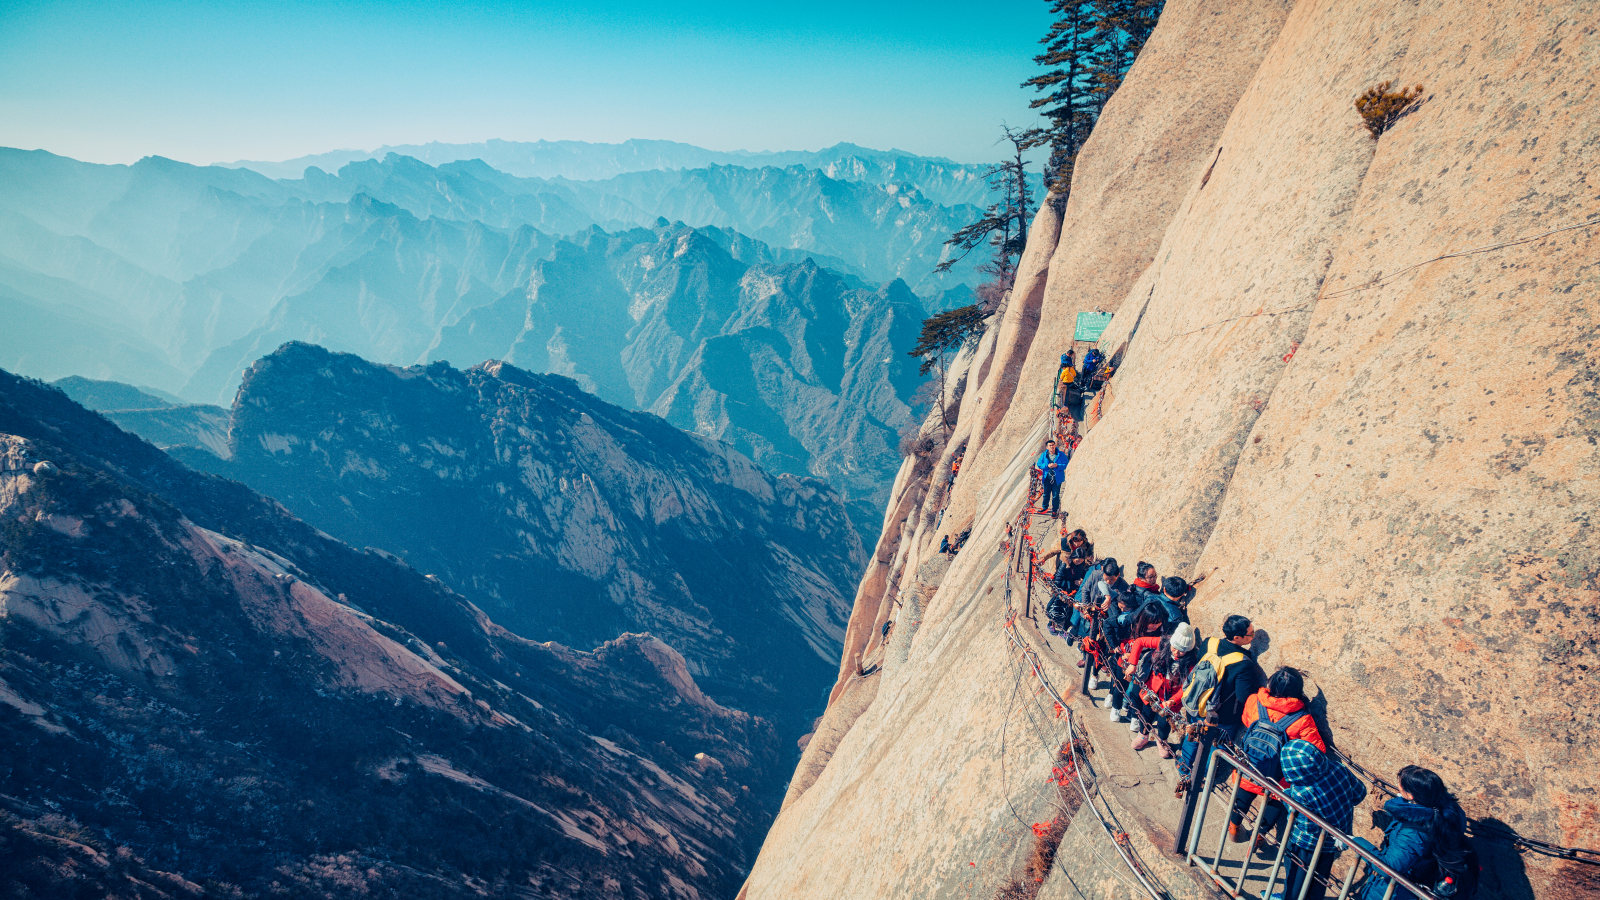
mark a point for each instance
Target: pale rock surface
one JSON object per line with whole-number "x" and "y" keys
{"x": 1390, "y": 466}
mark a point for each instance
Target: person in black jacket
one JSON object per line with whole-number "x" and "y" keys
{"x": 1072, "y": 561}
{"x": 1240, "y": 680}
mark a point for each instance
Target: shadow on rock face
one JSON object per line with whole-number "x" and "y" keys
{"x": 1504, "y": 873}
{"x": 1261, "y": 645}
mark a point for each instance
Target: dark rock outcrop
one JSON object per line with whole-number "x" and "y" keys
{"x": 562, "y": 516}
{"x": 201, "y": 694}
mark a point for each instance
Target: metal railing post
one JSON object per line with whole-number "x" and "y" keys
{"x": 1027, "y": 603}
{"x": 1203, "y": 753}
{"x": 1199, "y": 825}
{"x": 1311, "y": 867}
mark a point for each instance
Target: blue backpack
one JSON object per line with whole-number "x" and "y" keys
{"x": 1265, "y": 739}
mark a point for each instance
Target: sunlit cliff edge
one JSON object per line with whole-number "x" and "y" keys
{"x": 1385, "y": 458}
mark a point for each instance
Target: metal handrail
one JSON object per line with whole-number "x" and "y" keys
{"x": 1032, "y": 658}
{"x": 1269, "y": 787}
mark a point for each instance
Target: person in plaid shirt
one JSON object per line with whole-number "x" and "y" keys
{"x": 1328, "y": 789}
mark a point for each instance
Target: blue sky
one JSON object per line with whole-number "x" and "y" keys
{"x": 209, "y": 82}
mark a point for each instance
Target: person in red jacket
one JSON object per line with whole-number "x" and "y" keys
{"x": 1157, "y": 666}
{"x": 1283, "y": 696}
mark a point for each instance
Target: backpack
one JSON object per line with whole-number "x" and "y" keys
{"x": 1264, "y": 739}
{"x": 1206, "y": 676}
{"x": 1457, "y": 873}
{"x": 1057, "y": 610}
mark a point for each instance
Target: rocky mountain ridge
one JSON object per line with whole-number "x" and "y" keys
{"x": 165, "y": 421}
{"x": 1307, "y": 412}
{"x": 563, "y": 517}
{"x": 203, "y": 696}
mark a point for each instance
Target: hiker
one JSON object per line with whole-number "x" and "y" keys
{"x": 1224, "y": 678}
{"x": 1425, "y": 839}
{"x": 1089, "y": 601}
{"x": 955, "y": 468}
{"x": 1073, "y": 560}
{"x": 1091, "y": 365}
{"x": 1146, "y": 583}
{"x": 1058, "y": 613}
{"x": 1065, "y": 375}
{"x": 1116, "y": 628}
{"x": 1065, "y": 381}
{"x": 1052, "y": 466}
{"x": 1147, "y": 588}
{"x": 1238, "y": 682}
{"x": 1157, "y": 667}
{"x": 1320, "y": 784}
{"x": 1175, "y": 596}
{"x": 1287, "y": 718}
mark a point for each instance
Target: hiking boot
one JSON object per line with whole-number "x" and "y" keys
{"x": 1236, "y": 833}
{"x": 1142, "y": 741}
{"x": 1165, "y": 749}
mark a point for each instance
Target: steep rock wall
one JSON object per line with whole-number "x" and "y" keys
{"x": 1390, "y": 466}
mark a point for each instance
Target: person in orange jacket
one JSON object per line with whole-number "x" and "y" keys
{"x": 1283, "y": 698}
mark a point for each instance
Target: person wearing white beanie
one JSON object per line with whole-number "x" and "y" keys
{"x": 1161, "y": 687}
{"x": 1183, "y": 638}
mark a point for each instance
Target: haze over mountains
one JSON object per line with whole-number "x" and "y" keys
{"x": 945, "y": 181}
{"x": 704, "y": 294}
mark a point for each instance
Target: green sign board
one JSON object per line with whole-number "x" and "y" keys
{"x": 1091, "y": 325}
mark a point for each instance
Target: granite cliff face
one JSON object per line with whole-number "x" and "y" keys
{"x": 202, "y": 696}
{"x": 560, "y": 515}
{"x": 1356, "y": 390}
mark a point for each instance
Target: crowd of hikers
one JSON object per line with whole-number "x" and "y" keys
{"x": 1173, "y": 684}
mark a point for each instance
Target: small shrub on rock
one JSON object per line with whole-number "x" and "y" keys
{"x": 1382, "y": 105}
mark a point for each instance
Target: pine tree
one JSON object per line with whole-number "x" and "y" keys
{"x": 942, "y": 334}
{"x": 1088, "y": 49}
{"x": 1004, "y": 225}
{"x": 1123, "y": 27}
{"x": 1068, "y": 100}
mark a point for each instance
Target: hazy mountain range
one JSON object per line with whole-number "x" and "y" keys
{"x": 181, "y": 277}
{"x": 947, "y": 182}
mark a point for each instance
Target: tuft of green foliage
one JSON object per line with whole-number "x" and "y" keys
{"x": 942, "y": 334}
{"x": 945, "y": 332}
{"x": 1382, "y": 105}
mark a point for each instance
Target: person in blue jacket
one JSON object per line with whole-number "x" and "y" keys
{"x": 1052, "y": 466}
{"x": 1424, "y": 821}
